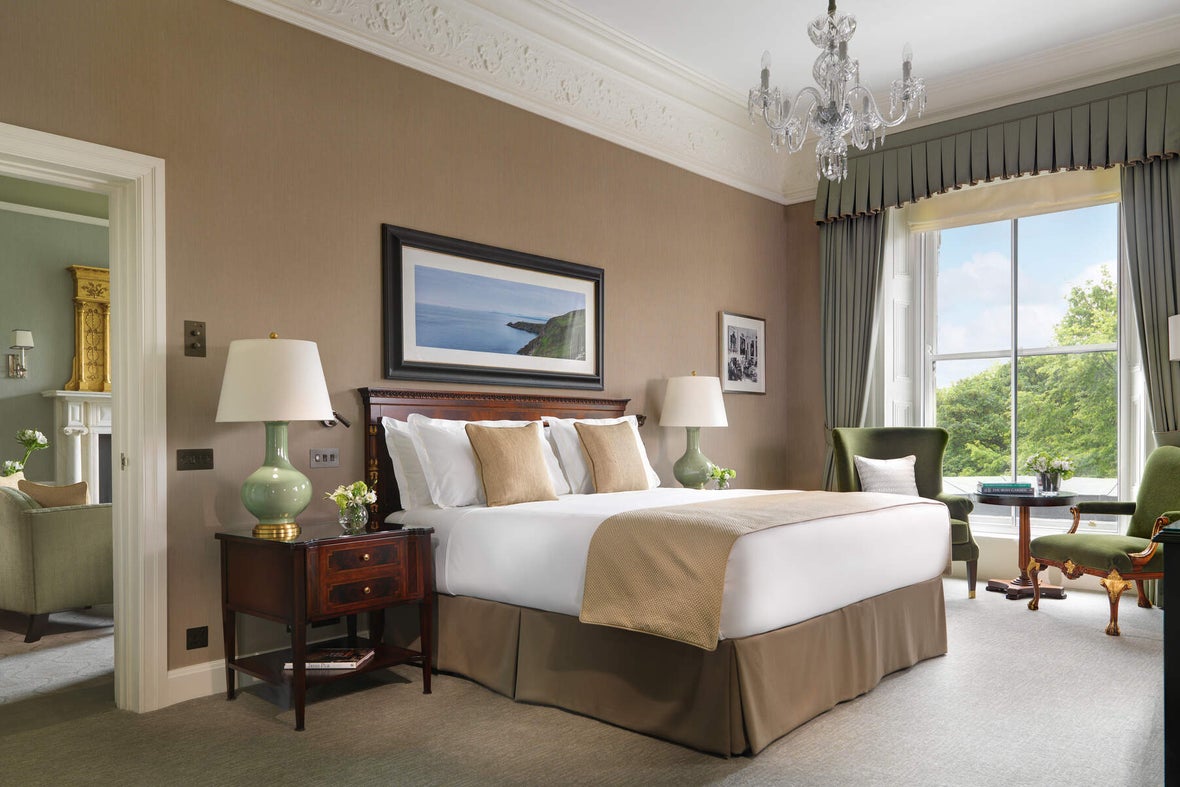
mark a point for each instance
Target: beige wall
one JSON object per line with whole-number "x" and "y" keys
{"x": 286, "y": 151}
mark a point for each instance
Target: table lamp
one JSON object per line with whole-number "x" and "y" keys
{"x": 693, "y": 402}
{"x": 275, "y": 381}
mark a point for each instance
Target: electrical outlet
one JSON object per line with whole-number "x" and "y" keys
{"x": 195, "y": 638}
{"x": 194, "y": 458}
{"x": 325, "y": 457}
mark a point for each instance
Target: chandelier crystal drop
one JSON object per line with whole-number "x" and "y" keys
{"x": 839, "y": 106}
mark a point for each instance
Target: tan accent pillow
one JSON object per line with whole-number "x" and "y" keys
{"x": 49, "y": 496}
{"x": 615, "y": 463}
{"x": 511, "y": 464}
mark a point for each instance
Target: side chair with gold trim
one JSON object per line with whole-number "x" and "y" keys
{"x": 1117, "y": 559}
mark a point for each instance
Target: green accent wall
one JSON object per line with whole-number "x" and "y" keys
{"x": 38, "y": 294}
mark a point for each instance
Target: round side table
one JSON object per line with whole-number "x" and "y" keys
{"x": 1021, "y": 586}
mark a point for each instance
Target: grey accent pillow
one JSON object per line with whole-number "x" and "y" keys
{"x": 895, "y": 476}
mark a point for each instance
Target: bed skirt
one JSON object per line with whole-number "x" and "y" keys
{"x": 737, "y": 699}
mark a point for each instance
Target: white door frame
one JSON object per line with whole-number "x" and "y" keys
{"x": 135, "y": 186}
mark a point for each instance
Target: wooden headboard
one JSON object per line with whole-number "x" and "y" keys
{"x": 456, "y": 405}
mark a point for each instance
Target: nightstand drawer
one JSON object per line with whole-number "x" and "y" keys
{"x": 377, "y": 591}
{"x": 354, "y": 558}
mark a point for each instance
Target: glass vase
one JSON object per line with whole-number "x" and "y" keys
{"x": 1050, "y": 483}
{"x": 354, "y": 518}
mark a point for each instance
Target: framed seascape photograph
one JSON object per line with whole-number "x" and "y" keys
{"x": 743, "y": 357}
{"x": 458, "y": 311}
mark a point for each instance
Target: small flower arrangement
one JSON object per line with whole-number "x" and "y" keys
{"x": 1041, "y": 462}
{"x": 722, "y": 476}
{"x": 31, "y": 440}
{"x": 356, "y": 494}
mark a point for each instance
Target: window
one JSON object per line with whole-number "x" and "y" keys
{"x": 1024, "y": 351}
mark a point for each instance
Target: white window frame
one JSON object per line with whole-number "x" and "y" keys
{"x": 903, "y": 392}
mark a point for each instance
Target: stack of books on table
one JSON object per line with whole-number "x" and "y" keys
{"x": 335, "y": 658}
{"x": 1005, "y": 488}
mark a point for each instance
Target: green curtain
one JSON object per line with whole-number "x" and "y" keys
{"x": 851, "y": 257}
{"x": 1151, "y": 214}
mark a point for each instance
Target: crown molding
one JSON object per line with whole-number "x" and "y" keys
{"x": 549, "y": 58}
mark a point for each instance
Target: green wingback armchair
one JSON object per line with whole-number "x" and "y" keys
{"x": 927, "y": 444}
{"x": 1117, "y": 559}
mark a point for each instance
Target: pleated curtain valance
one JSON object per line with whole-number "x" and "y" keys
{"x": 1127, "y": 121}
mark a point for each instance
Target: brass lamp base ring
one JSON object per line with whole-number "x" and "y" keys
{"x": 277, "y": 531}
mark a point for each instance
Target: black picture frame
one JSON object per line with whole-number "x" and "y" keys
{"x": 407, "y": 253}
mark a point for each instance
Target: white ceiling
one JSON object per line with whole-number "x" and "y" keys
{"x": 669, "y": 77}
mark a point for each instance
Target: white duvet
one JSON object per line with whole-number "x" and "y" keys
{"x": 534, "y": 555}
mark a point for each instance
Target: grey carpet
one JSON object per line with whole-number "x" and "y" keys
{"x": 1021, "y": 698}
{"x": 77, "y": 647}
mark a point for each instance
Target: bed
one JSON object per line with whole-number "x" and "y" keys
{"x": 805, "y": 623}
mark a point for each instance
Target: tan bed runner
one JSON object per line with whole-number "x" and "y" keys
{"x": 662, "y": 570}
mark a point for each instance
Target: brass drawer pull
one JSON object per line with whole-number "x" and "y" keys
{"x": 368, "y": 590}
{"x": 365, "y": 558}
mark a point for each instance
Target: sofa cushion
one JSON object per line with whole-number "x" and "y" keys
{"x": 13, "y": 500}
{"x": 55, "y": 496}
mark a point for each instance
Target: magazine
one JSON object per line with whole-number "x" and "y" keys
{"x": 335, "y": 658}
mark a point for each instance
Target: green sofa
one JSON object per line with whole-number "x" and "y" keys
{"x": 53, "y": 559}
{"x": 928, "y": 444}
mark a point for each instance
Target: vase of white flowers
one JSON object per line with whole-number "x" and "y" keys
{"x": 31, "y": 440}
{"x": 722, "y": 475}
{"x": 1049, "y": 471}
{"x": 353, "y": 501}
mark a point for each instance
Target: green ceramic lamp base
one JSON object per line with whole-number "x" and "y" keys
{"x": 276, "y": 493}
{"x": 692, "y": 469}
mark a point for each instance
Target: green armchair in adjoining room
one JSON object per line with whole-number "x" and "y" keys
{"x": 927, "y": 444}
{"x": 1117, "y": 559}
{"x": 53, "y": 559}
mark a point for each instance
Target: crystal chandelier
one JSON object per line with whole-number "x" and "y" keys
{"x": 839, "y": 105}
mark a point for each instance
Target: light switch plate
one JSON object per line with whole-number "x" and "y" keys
{"x": 194, "y": 338}
{"x": 325, "y": 457}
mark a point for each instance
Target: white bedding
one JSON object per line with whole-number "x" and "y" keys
{"x": 534, "y": 555}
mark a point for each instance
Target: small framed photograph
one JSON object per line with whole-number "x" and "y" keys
{"x": 743, "y": 357}
{"x": 458, "y": 311}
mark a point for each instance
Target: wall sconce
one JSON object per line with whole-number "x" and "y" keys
{"x": 21, "y": 340}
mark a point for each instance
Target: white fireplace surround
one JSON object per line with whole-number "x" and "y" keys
{"x": 79, "y": 417}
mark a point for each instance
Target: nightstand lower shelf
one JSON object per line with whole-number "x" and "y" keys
{"x": 268, "y": 666}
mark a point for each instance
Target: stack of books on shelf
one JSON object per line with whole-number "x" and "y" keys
{"x": 1005, "y": 488}
{"x": 335, "y": 658}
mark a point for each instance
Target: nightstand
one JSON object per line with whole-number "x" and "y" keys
{"x": 318, "y": 575}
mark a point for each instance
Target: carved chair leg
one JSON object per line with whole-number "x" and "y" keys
{"x": 1115, "y": 585}
{"x": 1141, "y": 588}
{"x": 36, "y": 627}
{"x": 972, "y": 574}
{"x": 1034, "y": 573}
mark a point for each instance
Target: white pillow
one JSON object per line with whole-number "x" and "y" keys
{"x": 452, "y": 472}
{"x": 407, "y": 464}
{"x": 573, "y": 459}
{"x": 895, "y": 476}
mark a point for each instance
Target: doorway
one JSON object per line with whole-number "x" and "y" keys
{"x": 134, "y": 184}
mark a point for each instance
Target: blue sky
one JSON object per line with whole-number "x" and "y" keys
{"x": 1057, "y": 251}
{"x": 480, "y": 293}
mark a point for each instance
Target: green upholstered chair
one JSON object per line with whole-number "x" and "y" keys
{"x": 53, "y": 559}
{"x": 927, "y": 444}
{"x": 1117, "y": 559}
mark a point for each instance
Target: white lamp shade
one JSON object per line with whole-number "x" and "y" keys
{"x": 21, "y": 340}
{"x": 273, "y": 380}
{"x": 1174, "y": 337}
{"x": 693, "y": 401}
